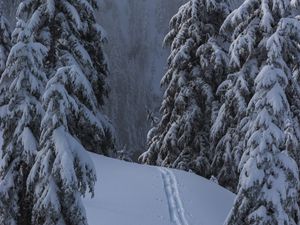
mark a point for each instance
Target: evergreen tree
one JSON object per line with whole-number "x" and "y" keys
{"x": 21, "y": 86}
{"x": 125, "y": 154}
{"x": 86, "y": 39}
{"x": 5, "y": 40}
{"x": 76, "y": 69}
{"x": 62, "y": 171}
{"x": 196, "y": 67}
{"x": 266, "y": 32}
{"x": 229, "y": 127}
{"x": 293, "y": 94}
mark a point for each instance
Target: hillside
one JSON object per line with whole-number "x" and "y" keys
{"x": 133, "y": 194}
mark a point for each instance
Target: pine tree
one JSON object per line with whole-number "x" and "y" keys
{"x": 62, "y": 171}
{"x": 229, "y": 127}
{"x": 125, "y": 154}
{"x": 293, "y": 94}
{"x": 76, "y": 69}
{"x": 5, "y": 39}
{"x": 266, "y": 32}
{"x": 21, "y": 86}
{"x": 196, "y": 66}
{"x": 43, "y": 19}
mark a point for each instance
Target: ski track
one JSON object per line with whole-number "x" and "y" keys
{"x": 176, "y": 210}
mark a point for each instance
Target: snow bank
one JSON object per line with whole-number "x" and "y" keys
{"x": 132, "y": 194}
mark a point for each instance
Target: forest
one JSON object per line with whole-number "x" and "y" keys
{"x": 149, "y": 112}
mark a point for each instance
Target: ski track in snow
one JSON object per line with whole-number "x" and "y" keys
{"x": 176, "y": 210}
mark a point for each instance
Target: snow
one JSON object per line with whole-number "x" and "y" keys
{"x": 73, "y": 13}
{"x": 133, "y": 194}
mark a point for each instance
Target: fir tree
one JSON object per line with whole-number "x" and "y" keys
{"x": 196, "y": 67}
{"x": 86, "y": 41}
{"x": 21, "y": 86}
{"x": 62, "y": 171}
{"x": 229, "y": 127}
{"x": 5, "y": 39}
{"x": 76, "y": 69}
{"x": 293, "y": 94}
{"x": 125, "y": 154}
{"x": 266, "y": 32}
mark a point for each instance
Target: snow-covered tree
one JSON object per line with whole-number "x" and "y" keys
{"x": 5, "y": 39}
{"x": 293, "y": 95}
{"x": 125, "y": 154}
{"x": 43, "y": 19}
{"x": 21, "y": 86}
{"x": 196, "y": 67}
{"x": 228, "y": 129}
{"x": 76, "y": 69}
{"x": 265, "y": 31}
{"x": 62, "y": 171}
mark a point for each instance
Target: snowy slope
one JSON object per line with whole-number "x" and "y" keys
{"x": 132, "y": 194}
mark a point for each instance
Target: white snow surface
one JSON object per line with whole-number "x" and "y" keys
{"x": 133, "y": 194}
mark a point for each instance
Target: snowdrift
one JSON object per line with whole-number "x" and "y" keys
{"x": 133, "y": 194}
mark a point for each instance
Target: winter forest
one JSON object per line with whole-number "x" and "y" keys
{"x": 149, "y": 112}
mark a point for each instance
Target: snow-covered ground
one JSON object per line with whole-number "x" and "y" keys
{"x": 133, "y": 194}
